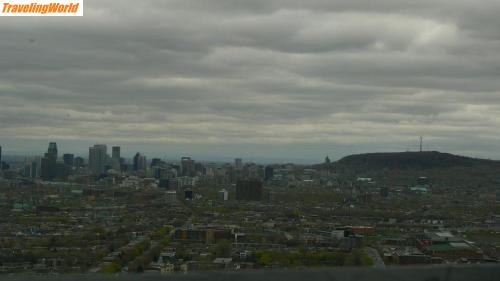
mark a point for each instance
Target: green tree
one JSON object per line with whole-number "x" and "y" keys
{"x": 223, "y": 249}
{"x": 357, "y": 258}
{"x": 265, "y": 259}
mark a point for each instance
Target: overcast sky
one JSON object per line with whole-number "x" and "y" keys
{"x": 260, "y": 79}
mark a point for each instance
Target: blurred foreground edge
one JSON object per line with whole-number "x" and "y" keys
{"x": 409, "y": 273}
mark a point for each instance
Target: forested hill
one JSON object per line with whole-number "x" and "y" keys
{"x": 409, "y": 160}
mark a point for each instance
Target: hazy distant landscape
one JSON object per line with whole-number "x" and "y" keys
{"x": 109, "y": 214}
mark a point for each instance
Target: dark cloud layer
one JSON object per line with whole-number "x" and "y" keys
{"x": 251, "y": 78}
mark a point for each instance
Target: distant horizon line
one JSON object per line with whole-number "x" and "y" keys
{"x": 229, "y": 159}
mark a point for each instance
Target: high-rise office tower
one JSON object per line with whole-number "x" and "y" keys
{"x": 157, "y": 162}
{"x": 249, "y": 190}
{"x": 53, "y": 149}
{"x": 136, "y": 161}
{"x": 187, "y": 166}
{"x": 238, "y": 164}
{"x": 115, "y": 152}
{"x": 34, "y": 169}
{"x": 143, "y": 163}
{"x": 48, "y": 167}
{"x": 115, "y": 160}
{"x": 31, "y": 168}
{"x": 97, "y": 158}
{"x": 48, "y": 163}
{"x": 268, "y": 173}
{"x": 199, "y": 168}
{"x": 68, "y": 159}
{"x": 140, "y": 162}
{"x": 79, "y": 162}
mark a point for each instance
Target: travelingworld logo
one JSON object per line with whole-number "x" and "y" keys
{"x": 27, "y": 8}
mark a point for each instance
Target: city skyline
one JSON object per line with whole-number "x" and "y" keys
{"x": 129, "y": 151}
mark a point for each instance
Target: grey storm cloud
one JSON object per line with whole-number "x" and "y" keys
{"x": 255, "y": 77}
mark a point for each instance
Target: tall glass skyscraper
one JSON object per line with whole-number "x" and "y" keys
{"x": 97, "y": 158}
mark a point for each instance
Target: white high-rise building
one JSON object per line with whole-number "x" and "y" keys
{"x": 97, "y": 158}
{"x": 224, "y": 194}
